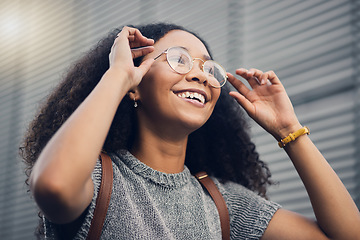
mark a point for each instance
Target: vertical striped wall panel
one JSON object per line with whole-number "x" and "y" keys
{"x": 310, "y": 45}
{"x": 355, "y": 20}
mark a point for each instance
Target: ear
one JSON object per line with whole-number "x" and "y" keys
{"x": 134, "y": 94}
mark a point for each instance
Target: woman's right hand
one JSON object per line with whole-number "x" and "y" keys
{"x": 130, "y": 44}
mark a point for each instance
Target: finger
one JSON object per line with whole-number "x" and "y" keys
{"x": 243, "y": 73}
{"x": 134, "y": 37}
{"x": 244, "y": 102}
{"x": 145, "y": 66}
{"x": 269, "y": 77}
{"x": 140, "y": 42}
{"x": 260, "y": 75}
{"x": 238, "y": 85}
{"x": 249, "y": 75}
{"x": 273, "y": 78}
{"x": 129, "y": 31}
{"x": 124, "y": 33}
{"x": 264, "y": 78}
{"x": 139, "y": 52}
{"x": 253, "y": 72}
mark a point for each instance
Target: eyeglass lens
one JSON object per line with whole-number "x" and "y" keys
{"x": 180, "y": 61}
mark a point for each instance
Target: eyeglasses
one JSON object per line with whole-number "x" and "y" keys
{"x": 181, "y": 62}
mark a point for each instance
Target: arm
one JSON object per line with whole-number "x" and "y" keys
{"x": 336, "y": 213}
{"x": 61, "y": 177}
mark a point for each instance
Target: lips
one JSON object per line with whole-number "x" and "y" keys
{"x": 193, "y": 94}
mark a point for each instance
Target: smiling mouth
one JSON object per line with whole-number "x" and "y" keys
{"x": 192, "y": 95}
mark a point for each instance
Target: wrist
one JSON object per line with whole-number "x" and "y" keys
{"x": 118, "y": 76}
{"x": 116, "y": 84}
{"x": 284, "y": 132}
{"x": 293, "y": 136}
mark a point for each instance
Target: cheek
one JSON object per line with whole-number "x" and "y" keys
{"x": 156, "y": 76}
{"x": 147, "y": 86}
{"x": 154, "y": 90}
{"x": 147, "y": 78}
{"x": 158, "y": 81}
{"x": 216, "y": 94}
{"x": 215, "y": 97}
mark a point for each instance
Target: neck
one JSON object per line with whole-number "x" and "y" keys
{"x": 160, "y": 153}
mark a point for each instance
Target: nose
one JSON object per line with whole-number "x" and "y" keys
{"x": 197, "y": 73}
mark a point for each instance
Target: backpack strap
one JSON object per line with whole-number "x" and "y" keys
{"x": 103, "y": 198}
{"x": 214, "y": 192}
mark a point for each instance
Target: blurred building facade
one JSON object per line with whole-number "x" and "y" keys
{"x": 312, "y": 45}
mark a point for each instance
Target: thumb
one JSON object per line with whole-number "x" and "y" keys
{"x": 145, "y": 66}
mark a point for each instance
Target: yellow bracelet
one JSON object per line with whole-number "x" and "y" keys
{"x": 293, "y": 136}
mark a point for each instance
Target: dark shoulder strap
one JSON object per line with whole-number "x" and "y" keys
{"x": 103, "y": 198}
{"x": 104, "y": 195}
{"x": 214, "y": 192}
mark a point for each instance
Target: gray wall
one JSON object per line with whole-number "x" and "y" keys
{"x": 312, "y": 45}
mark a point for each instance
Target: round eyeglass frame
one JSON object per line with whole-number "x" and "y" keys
{"x": 192, "y": 64}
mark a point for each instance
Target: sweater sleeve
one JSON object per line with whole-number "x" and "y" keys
{"x": 249, "y": 213}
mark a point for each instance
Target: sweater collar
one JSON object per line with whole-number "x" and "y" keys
{"x": 173, "y": 180}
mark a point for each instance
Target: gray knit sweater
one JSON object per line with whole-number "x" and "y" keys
{"x": 148, "y": 204}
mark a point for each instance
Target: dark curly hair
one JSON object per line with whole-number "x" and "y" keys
{"x": 222, "y": 146}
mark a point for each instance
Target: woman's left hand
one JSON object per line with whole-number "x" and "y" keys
{"x": 337, "y": 216}
{"x": 267, "y": 102}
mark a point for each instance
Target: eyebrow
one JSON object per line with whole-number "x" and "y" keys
{"x": 206, "y": 57}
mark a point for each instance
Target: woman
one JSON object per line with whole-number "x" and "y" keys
{"x": 159, "y": 120}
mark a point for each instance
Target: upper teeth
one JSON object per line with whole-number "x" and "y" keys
{"x": 192, "y": 95}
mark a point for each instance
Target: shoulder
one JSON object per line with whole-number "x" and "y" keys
{"x": 249, "y": 213}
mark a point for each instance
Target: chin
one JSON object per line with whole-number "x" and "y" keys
{"x": 194, "y": 125}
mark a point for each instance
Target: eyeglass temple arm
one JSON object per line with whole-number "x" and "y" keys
{"x": 160, "y": 55}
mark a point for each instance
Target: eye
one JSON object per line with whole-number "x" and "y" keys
{"x": 179, "y": 59}
{"x": 182, "y": 59}
{"x": 211, "y": 71}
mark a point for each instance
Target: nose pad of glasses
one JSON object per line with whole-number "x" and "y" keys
{"x": 197, "y": 72}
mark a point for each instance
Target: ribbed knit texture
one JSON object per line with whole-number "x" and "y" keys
{"x": 148, "y": 204}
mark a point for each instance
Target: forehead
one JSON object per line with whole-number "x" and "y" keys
{"x": 183, "y": 39}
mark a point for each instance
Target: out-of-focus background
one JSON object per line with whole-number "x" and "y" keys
{"x": 312, "y": 45}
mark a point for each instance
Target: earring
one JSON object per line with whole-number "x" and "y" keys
{"x": 135, "y": 103}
